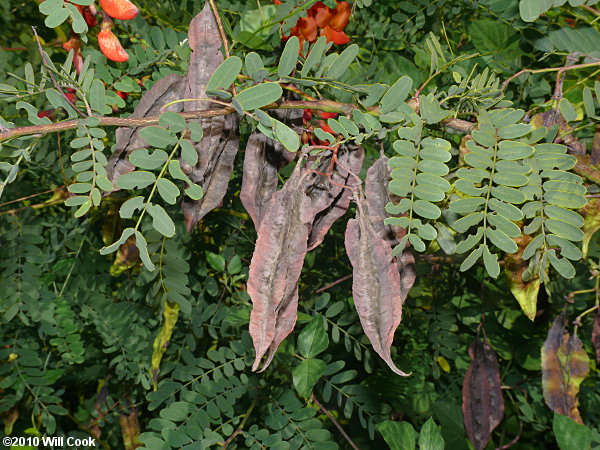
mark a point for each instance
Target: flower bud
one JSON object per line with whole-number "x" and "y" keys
{"x": 111, "y": 47}
{"x": 119, "y": 9}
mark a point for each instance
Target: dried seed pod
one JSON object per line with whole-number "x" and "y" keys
{"x": 378, "y": 195}
{"x": 276, "y": 265}
{"x": 219, "y": 145}
{"x": 332, "y": 203}
{"x": 111, "y": 47}
{"x": 376, "y": 284}
{"x": 263, "y": 158}
{"x": 164, "y": 91}
{"x": 119, "y": 9}
{"x": 483, "y": 405}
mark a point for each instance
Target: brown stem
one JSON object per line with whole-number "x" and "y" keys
{"x": 54, "y": 82}
{"x": 335, "y": 283}
{"x": 322, "y": 105}
{"x": 590, "y": 9}
{"x": 335, "y": 422}
{"x": 32, "y": 195}
{"x": 241, "y": 426}
{"x": 561, "y": 70}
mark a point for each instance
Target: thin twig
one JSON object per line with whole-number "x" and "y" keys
{"x": 551, "y": 69}
{"x": 241, "y": 426}
{"x": 335, "y": 283}
{"x": 590, "y": 9}
{"x": 321, "y": 105}
{"x": 335, "y": 422}
{"x": 32, "y": 195}
{"x": 56, "y": 85}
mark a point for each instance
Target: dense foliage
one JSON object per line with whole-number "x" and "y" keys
{"x": 430, "y": 160}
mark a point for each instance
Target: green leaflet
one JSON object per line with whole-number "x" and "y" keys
{"x": 225, "y": 74}
{"x": 258, "y": 96}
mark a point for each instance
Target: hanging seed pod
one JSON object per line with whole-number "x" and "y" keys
{"x": 119, "y": 9}
{"x": 376, "y": 283}
{"x": 220, "y": 142}
{"x": 378, "y": 195}
{"x": 262, "y": 160}
{"x": 483, "y": 405}
{"x": 276, "y": 265}
{"x": 331, "y": 203}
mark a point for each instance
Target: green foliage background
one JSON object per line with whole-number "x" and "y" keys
{"x": 76, "y": 339}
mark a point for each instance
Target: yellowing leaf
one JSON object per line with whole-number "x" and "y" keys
{"x": 526, "y": 292}
{"x": 565, "y": 364}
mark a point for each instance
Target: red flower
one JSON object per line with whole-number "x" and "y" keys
{"x": 330, "y": 21}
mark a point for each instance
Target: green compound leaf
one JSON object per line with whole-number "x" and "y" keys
{"x": 416, "y": 177}
{"x": 497, "y": 177}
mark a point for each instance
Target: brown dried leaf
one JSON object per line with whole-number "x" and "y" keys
{"x": 165, "y": 90}
{"x": 565, "y": 131}
{"x": 483, "y": 405}
{"x": 264, "y": 157}
{"x": 219, "y": 145}
{"x": 376, "y": 284}
{"x": 276, "y": 265}
{"x": 596, "y": 336}
{"x": 565, "y": 364}
{"x": 215, "y": 179}
{"x": 331, "y": 203}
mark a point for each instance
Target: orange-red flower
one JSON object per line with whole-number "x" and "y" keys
{"x": 331, "y": 22}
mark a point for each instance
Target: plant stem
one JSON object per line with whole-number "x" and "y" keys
{"x": 335, "y": 422}
{"x": 241, "y": 426}
{"x": 561, "y": 70}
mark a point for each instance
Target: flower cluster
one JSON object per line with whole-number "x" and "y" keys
{"x": 330, "y": 21}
